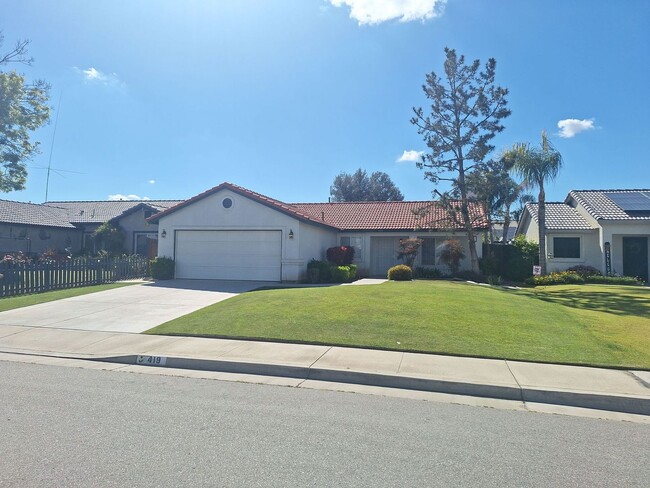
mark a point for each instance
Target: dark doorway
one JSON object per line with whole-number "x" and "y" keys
{"x": 635, "y": 257}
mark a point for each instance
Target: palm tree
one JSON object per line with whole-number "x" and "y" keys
{"x": 536, "y": 166}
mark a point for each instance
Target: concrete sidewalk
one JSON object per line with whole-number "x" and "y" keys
{"x": 595, "y": 388}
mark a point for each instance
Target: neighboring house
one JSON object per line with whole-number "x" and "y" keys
{"x": 606, "y": 229}
{"x": 229, "y": 232}
{"x": 497, "y": 231}
{"x": 36, "y": 228}
{"x": 140, "y": 235}
{"x": 30, "y": 227}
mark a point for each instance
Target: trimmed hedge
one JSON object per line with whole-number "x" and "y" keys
{"x": 572, "y": 277}
{"x": 401, "y": 272}
{"x": 162, "y": 268}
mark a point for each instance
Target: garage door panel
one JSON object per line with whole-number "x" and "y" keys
{"x": 229, "y": 255}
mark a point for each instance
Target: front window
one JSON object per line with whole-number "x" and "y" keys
{"x": 356, "y": 243}
{"x": 566, "y": 247}
{"x": 428, "y": 251}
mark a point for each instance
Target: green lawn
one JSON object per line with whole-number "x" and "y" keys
{"x": 589, "y": 324}
{"x": 9, "y": 303}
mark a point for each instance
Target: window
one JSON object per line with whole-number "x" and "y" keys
{"x": 428, "y": 251}
{"x": 356, "y": 243}
{"x": 566, "y": 247}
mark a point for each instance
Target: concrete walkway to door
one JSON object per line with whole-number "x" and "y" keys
{"x": 133, "y": 308}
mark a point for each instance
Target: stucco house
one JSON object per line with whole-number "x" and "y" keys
{"x": 606, "y": 229}
{"x": 35, "y": 228}
{"x": 230, "y": 232}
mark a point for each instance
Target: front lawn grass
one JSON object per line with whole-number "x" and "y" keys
{"x": 600, "y": 325}
{"x": 9, "y": 303}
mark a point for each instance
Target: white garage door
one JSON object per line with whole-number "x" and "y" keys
{"x": 229, "y": 255}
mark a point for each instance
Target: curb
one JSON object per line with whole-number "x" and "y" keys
{"x": 631, "y": 404}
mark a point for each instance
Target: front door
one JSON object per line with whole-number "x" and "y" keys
{"x": 383, "y": 255}
{"x": 635, "y": 257}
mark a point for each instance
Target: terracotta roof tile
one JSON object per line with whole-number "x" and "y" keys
{"x": 349, "y": 215}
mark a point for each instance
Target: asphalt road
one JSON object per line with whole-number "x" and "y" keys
{"x": 62, "y": 426}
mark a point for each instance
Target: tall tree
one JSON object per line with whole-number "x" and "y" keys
{"x": 536, "y": 165}
{"x": 359, "y": 187}
{"x": 23, "y": 109}
{"x": 465, "y": 114}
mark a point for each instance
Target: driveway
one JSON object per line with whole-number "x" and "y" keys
{"x": 133, "y": 308}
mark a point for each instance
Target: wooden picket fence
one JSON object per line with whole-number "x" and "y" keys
{"x": 23, "y": 278}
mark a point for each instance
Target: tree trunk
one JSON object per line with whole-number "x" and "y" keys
{"x": 541, "y": 215}
{"x": 506, "y": 225}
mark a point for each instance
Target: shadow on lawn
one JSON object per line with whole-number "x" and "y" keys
{"x": 635, "y": 302}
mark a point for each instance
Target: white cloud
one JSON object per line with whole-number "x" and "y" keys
{"x": 119, "y": 196}
{"x": 410, "y": 156}
{"x": 93, "y": 75}
{"x": 152, "y": 182}
{"x": 378, "y": 11}
{"x": 571, "y": 127}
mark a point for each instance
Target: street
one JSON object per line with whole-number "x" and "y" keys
{"x": 64, "y": 426}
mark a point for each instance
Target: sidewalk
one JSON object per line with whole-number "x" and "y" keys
{"x": 595, "y": 388}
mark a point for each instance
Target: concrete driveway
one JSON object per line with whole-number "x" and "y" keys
{"x": 133, "y": 308}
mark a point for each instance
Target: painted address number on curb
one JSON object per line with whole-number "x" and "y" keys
{"x": 151, "y": 360}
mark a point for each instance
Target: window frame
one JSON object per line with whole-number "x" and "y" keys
{"x": 579, "y": 248}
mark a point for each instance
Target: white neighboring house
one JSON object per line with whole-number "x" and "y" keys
{"x": 229, "y": 232}
{"x": 606, "y": 229}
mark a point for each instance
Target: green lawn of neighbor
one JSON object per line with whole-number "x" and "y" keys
{"x": 590, "y": 324}
{"x": 8, "y": 303}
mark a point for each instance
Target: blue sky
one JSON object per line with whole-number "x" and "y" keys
{"x": 165, "y": 99}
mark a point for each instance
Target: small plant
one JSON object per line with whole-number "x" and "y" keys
{"x": 162, "y": 268}
{"x": 421, "y": 273}
{"x": 319, "y": 271}
{"x": 401, "y": 272}
{"x": 16, "y": 258}
{"x": 340, "y": 274}
{"x": 452, "y": 253}
{"x": 340, "y": 255}
{"x": 408, "y": 250}
{"x": 584, "y": 270}
{"x": 110, "y": 238}
{"x": 353, "y": 272}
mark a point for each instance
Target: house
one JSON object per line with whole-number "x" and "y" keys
{"x": 230, "y": 232}
{"x": 606, "y": 229}
{"x": 130, "y": 215}
{"x": 30, "y": 227}
{"x": 35, "y": 228}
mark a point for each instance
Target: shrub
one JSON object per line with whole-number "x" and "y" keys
{"x": 556, "y": 278}
{"x": 451, "y": 255}
{"x": 353, "y": 272}
{"x": 16, "y": 258}
{"x": 408, "y": 250}
{"x": 401, "y": 272}
{"x": 422, "y": 273}
{"x": 162, "y": 268}
{"x": 584, "y": 270}
{"x": 340, "y": 255}
{"x": 320, "y": 270}
{"x": 613, "y": 280}
{"x": 110, "y": 237}
{"x": 340, "y": 274}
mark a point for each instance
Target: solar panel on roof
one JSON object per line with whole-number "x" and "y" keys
{"x": 633, "y": 201}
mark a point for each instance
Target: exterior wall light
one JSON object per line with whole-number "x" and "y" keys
{"x": 163, "y": 234}
{"x": 290, "y": 233}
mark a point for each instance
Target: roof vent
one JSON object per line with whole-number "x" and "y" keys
{"x": 322, "y": 216}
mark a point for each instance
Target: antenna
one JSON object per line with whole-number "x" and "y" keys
{"x": 49, "y": 162}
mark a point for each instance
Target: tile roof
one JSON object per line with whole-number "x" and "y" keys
{"x": 601, "y": 207}
{"x": 559, "y": 216}
{"x": 33, "y": 214}
{"x": 387, "y": 215}
{"x": 97, "y": 212}
{"x": 348, "y": 215}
